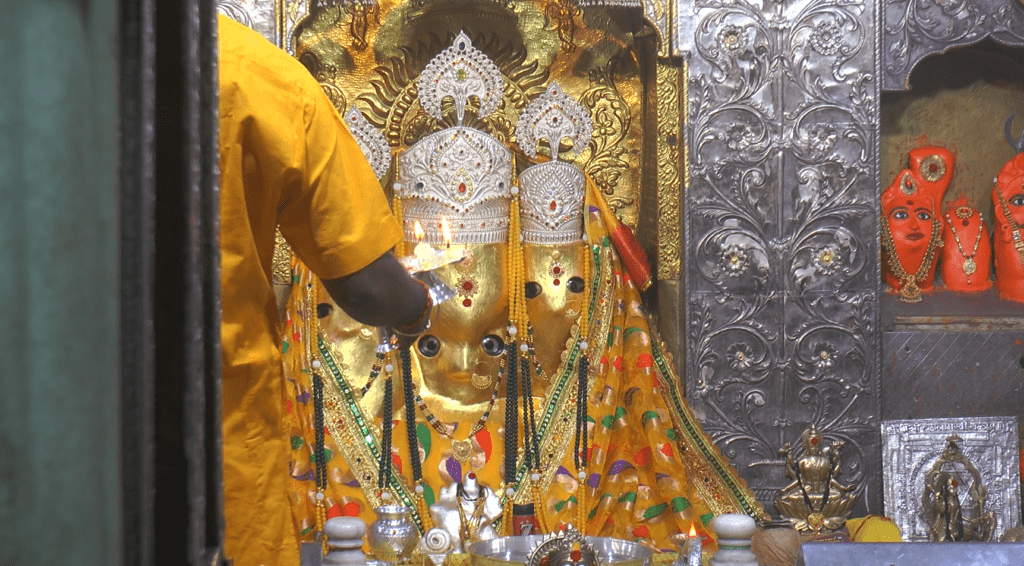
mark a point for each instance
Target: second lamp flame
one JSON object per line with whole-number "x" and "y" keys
{"x": 418, "y": 231}
{"x": 446, "y": 232}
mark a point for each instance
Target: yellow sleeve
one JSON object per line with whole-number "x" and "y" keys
{"x": 336, "y": 218}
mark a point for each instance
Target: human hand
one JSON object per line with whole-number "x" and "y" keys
{"x": 404, "y": 342}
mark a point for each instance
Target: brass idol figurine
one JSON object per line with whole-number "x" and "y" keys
{"x": 954, "y": 498}
{"x": 815, "y": 501}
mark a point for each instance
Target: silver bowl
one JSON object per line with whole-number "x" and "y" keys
{"x": 509, "y": 551}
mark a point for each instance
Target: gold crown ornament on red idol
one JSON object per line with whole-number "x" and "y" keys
{"x": 460, "y": 173}
{"x": 552, "y": 192}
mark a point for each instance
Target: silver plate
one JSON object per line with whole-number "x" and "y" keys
{"x": 910, "y": 447}
{"x": 505, "y": 551}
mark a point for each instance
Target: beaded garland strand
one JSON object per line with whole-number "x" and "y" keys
{"x": 414, "y": 444}
{"x": 524, "y": 349}
{"x": 309, "y": 324}
{"x": 319, "y": 455}
{"x": 396, "y": 209}
{"x": 582, "y": 394}
{"x": 410, "y": 415}
{"x": 516, "y": 271}
{"x": 521, "y": 320}
{"x": 378, "y": 364}
{"x": 384, "y": 470}
{"x": 520, "y": 315}
{"x": 313, "y": 366}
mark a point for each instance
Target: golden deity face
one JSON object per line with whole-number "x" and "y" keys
{"x": 459, "y": 356}
{"x": 554, "y": 297}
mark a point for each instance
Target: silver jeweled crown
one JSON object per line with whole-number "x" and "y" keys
{"x": 460, "y": 71}
{"x": 551, "y": 202}
{"x": 371, "y": 141}
{"x": 460, "y": 173}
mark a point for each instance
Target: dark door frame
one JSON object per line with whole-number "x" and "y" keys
{"x": 170, "y": 283}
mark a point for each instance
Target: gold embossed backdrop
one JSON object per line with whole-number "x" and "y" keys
{"x": 370, "y": 57}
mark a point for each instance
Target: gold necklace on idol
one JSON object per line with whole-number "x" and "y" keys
{"x": 969, "y": 266}
{"x": 462, "y": 449}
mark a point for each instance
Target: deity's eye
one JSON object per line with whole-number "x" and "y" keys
{"x": 429, "y": 345}
{"x": 492, "y": 345}
{"x": 575, "y": 284}
{"x": 1017, "y": 200}
{"x": 924, "y": 215}
{"x": 323, "y": 309}
{"x": 900, "y": 215}
{"x": 532, "y": 289}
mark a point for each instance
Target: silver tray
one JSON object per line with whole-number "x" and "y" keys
{"x": 506, "y": 551}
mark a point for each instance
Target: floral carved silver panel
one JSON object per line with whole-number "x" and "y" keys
{"x": 914, "y": 29}
{"x": 781, "y": 232}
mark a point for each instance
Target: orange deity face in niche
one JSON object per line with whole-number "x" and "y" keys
{"x": 459, "y": 355}
{"x": 1008, "y": 201}
{"x": 911, "y": 226}
{"x": 554, "y": 297}
{"x": 913, "y": 232}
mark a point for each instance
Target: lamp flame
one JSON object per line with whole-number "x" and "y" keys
{"x": 418, "y": 230}
{"x": 693, "y": 531}
{"x": 446, "y": 232}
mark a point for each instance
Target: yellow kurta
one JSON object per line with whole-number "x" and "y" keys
{"x": 286, "y": 159}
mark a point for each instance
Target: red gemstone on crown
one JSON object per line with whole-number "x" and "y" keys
{"x": 553, "y": 206}
{"x": 468, "y": 285}
{"x": 462, "y": 187}
{"x": 576, "y": 555}
{"x": 467, "y": 302}
{"x": 556, "y": 270}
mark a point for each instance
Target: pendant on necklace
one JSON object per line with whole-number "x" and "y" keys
{"x": 969, "y": 266}
{"x": 910, "y": 292}
{"x": 462, "y": 450}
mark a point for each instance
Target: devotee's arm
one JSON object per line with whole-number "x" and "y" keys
{"x": 380, "y": 294}
{"x": 339, "y": 223}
